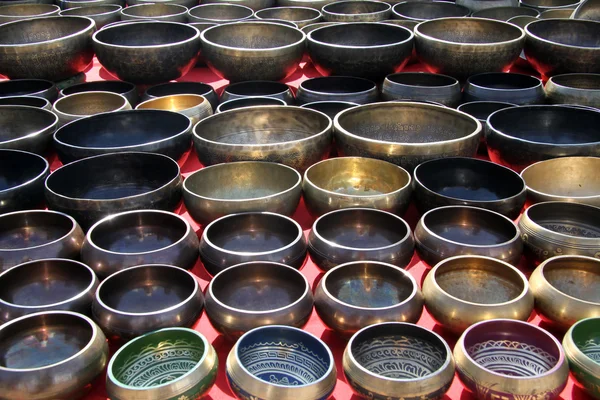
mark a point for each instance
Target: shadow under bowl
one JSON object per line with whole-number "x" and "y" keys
{"x": 26, "y": 128}
{"x": 193, "y": 106}
{"x": 101, "y": 14}
{"x": 301, "y": 16}
{"x": 506, "y": 13}
{"x": 86, "y": 104}
{"x": 172, "y": 88}
{"x": 512, "y": 88}
{"x": 248, "y": 102}
{"x": 126, "y": 89}
{"x": 29, "y": 87}
{"x": 22, "y": 177}
{"x": 247, "y": 89}
{"x": 421, "y": 86}
{"x": 337, "y": 88}
{"x": 581, "y": 349}
{"x": 356, "y": 11}
{"x": 219, "y": 13}
{"x": 581, "y": 89}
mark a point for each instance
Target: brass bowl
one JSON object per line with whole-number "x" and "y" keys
{"x": 337, "y": 88}
{"x": 503, "y": 358}
{"x": 86, "y": 104}
{"x": 424, "y": 11}
{"x": 126, "y": 89}
{"x": 26, "y": 128}
{"x": 557, "y": 13}
{"x": 29, "y": 87}
{"x": 349, "y": 182}
{"x": 356, "y": 11}
{"x": 247, "y": 89}
{"x": 385, "y": 360}
{"x": 244, "y": 186}
{"x": 245, "y": 102}
{"x": 253, "y": 4}
{"x": 29, "y": 101}
{"x": 463, "y": 290}
{"x": 193, "y": 106}
{"x": 460, "y": 230}
{"x": 219, "y": 13}
{"x": 506, "y": 13}
{"x": 582, "y": 89}
{"x": 329, "y": 108}
{"x": 512, "y": 88}
{"x": 421, "y": 86}
{"x": 254, "y": 294}
{"x": 102, "y": 15}
{"x": 581, "y": 349}
{"x": 357, "y": 294}
{"x": 18, "y": 12}
{"x": 166, "y": 12}
{"x": 172, "y": 88}
{"x": 565, "y": 289}
{"x": 587, "y": 9}
{"x": 360, "y": 234}
{"x": 22, "y": 177}
{"x": 301, "y": 16}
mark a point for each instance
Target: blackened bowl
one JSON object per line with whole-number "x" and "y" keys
{"x": 22, "y": 177}
{"x": 329, "y": 108}
{"x": 29, "y": 87}
{"x": 26, "y": 128}
{"x": 29, "y": 101}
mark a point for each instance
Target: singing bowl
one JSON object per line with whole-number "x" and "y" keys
{"x": 29, "y": 101}
{"x": 311, "y": 27}
{"x": 511, "y": 359}
{"x": 420, "y": 86}
{"x": 402, "y": 22}
{"x": 360, "y": 234}
{"x": 316, "y": 4}
{"x": 246, "y": 89}
{"x": 255, "y": 5}
{"x": 234, "y": 51}
{"x": 86, "y": 104}
{"x": 247, "y": 102}
{"x": 294, "y": 136}
{"x": 512, "y": 88}
{"x": 301, "y": 16}
{"x": 254, "y": 294}
{"x": 423, "y": 11}
{"x": 26, "y": 128}
{"x": 478, "y": 5}
{"x": 280, "y": 362}
{"x": 587, "y": 9}
{"x": 102, "y": 15}
{"x": 185, "y": 3}
{"x": 362, "y": 293}
{"x": 92, "y": 188}
{"x": 362, "y": 49}
{"x": 147, "y": 52}
{"x": 29, "y": 87}
{"x": 52, "y": 48}
{"x": 219, "y": 13}
{"x": 50, "y": 355}
{"x": 542, "y": 5}
{"x": 256, "y": 236}
{"x": 282, "y": 22}
{"x": 463, "y": 290}
{"x": 556, "y": 13}
{"x": 172, "y": 88}
{"x": 581, "y": 349}
{"x": 22, "y": 177}
{"x": 506, "y": 13}
{"x": 406, "y": 133}
{"x": 469, "y": 182}
{"x": 244, "y": 186}
{"x": 398, "y": 359}
{"x": 126, "y": 89}
{"x": 18, "y": 12}
{"x": 356, "y": 11}
{"x": 461, "y": 47}
{"x": 483, "y": 109}
{"x": 166, "y": 12}
{"x": 142, "y": 299}
{"x": 329, "y": 108}
{"x": 460, "y": 230}
{"x": 348, "y": 182}
{"x": 193, "y": 106}
{"x": 582, "y": 89}
{"x": 337, "y": 88}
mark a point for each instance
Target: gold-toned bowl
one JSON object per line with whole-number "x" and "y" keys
{"x": 582, "y": 345}
{"x": 580, "y": 89}
{"x": 16, "y": 12}
{"x": 193, "y": 106}
{"x": 80, "y": 105}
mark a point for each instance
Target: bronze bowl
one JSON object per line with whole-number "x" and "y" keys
{"x": 337, "y": 88}
{"x": 171, "y": 88}
{"x": 142, "y": 299}
{"x": 356, "y": 11}
{"x": 244, "y": 186}
{"x": 463, "y": 290}
{"x": 26, "y": 128}
{"x": 360, "y": 234}
{"x": 22, "y": 177}
{"x": 219, "y": 13}
{"x": 581, "y": 349}
{"x": 301, "y": 16}
{"x": 329, "y": 108}
{"x": 245, "y": 102}
{"x": 165, "y": 12}
{"x": 129, "y": 90}
{"x": 362, "y": 293}
{"x": 29, "y": 101}
{"x": 80, "y": 105}
{"x": 424, "y": 11}
{"x": 582, "y": 89}
{"x": 17, "y": 12}
{"x": 29, "y": 87}
{"x": 388, "y": 360}
{"x": 193, "y": 106}
{"x": 254, "y": 294}
{"x": 421, "y": 86}
{"x": 512, "y": 88}
{"x": 460, "y": 230}
{"x": 246, "y": 89}
{"x": 348, "y": 182}
{"x": 506, "y": 13}
{"x": 503, "y": 358}
{"x": 102, "y": 14}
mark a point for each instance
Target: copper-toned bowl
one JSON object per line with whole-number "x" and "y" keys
{"x": 166, "y": 12}
{"x": 301, "y": 16}
{"x": 219, "y": 13}
{"x": 581, "y": 348}
{"x": 581, "y": 89}
{"x": 337, "y": 88}
{"x": 22, "y": 177}
{"x": 353, "y": 11}
{"x": 129, "y": 90}
{"x": 17, "y": 12}
{"x": 86, "y": 104}
{"x": 193, "y": 106}
{"x": 421, "y": 86}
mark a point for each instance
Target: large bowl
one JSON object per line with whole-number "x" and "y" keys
{"x": 94, "y": 187}
{"x": 126, "y": 89}
{"x": 50, "y": 355}
{"x": 101, "y": 14}
{"x": 29, "y": 87}
{"x": 461, "y": 47}
{"x": 52, "y": 48}
{"x": 250, "y": 295}
{"x": 193, "y": 106}
{"x": 219, "y": 13}
{"x": 247, "y": 89}
{"x": 148, "y": 52}
{"x": 423, "y": 11}
{"x": 580, "y": 89}
{"x": 419, "y": 86}
{"x": 356, "y": 11}
{"x": 360, "y": 234}
{"x": 86, "y": 104}
{"x": 337, "y": 88}
{"x": 581, "y": 349}
{"x": 301, "y": 16}
{"x": 460, "y": 230}
{"x": 293, "y": 136}
{"x": 247, "y": 102}
{"x": 329, "y": 108}
{"x": 171, "y": 88}
{"x": 29, "y": 101}
{"x": 512, "y": 88}
{"x": 17, "y": 12}
{"x": 244, "y": 186}
{"x": 386, "y": 360}
{"x": 463, "y": 290}
{"x": 362, "y": 293}
{"x": 26, "y": 128}
{"x": 311, "y": 27}
{"x": 511, "y": 359}
{"x": 165, "y": 12}
{"x": 348, "y": 182}
{"x": 506, "y": 13}
{"x": 22, "y": 177}
{"x": 406, "y": 133}
{"x": 145, "y": 298}
{"x": 168, "y": 364}
{"x": 264, "y": 364}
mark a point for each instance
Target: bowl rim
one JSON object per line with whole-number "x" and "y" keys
{"x": 45, "y": 170}
{"x": 131, "y": 86}
{"x": 239, "y": 99}
{"x": 538, "y": 82}
{"x": 589, "y": 240}
{"x": 226, "y": 88}
{"x": 316, "y": 18}
{"x": 54, "y": 10}
{"x": 578, "y": 357}
{"x": 28, "y": 96}
{"x": 203, "y": 102}
{"x": 174, "y": 6}
{"x": 349, "y": 25}
{"x": 552, "y": 81}
{"x": 90, "y": 27}
{"x": 373, "y": 85}
{"x": 436, "y": 2}
{"x": 87, "y": 93}
{"x": 388, "y": 8}
{"x": 97, "y": 41}
{"x": 115, "y": 9}
{"x": 198, "y": 19}
{"x": 545, "y": 8}
{"x": 554, "y": 43}
{"x": 32, "y": 134}
{"x": 470, "y": 19}
{"x": 388, "y": 81}
{"x": 49, "y": 86}
{"x": 320, "y": 23}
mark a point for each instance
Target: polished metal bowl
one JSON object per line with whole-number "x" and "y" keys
{"x": 406, "y": 133}
{"x": 463, "y": 290}
{"x": 360, "y": 234}
{"x": 26, "y": 128}
{"x": 246, "y": 89}
{"x": 581, "y": 89}
{"x": 102, "y": 15}
{"x": 126, "y": 89}
{"x": 419, "y": 86}
{"x": 587, "y": 9}
{"x": 29, "y": 87}
{"x": 460, "y": 230}
{"x": 193, "y": 106}
{"x": 294, "y": 136}
{"x": 233, "y": 51}
{"x": 142, "y": 299}
{"x": 148, "y": 52}
{"x": 478, "y": 5}
{"x": 244, "y": 102}
{"x": 254, "y": 294}
{"x": 22, "y": 177}
{"x": 581, "y": 349}
{"x": 506, "y": 13}
{"x": 200, "y": 61}
{"x": 362, "y": 293}
{"x": 166, "y": 12}
{"x": 461, "y": 47}
{"x": 86, "y": 104}
{"x": 171, "y": 88}
{"x": 424, "y": 11}
{"x": 356, "y": 11}
{"x": 244, "y": 186}
{"x": 337, "y": 88}
{"x": 29, "y": 101}
{"x": 301, "y": 16}
{"x": 384, "y": 360}
{"x": 512, "y": 88}
{"x": 329, "y": 108}
{"x": 94, "y": 187}
{"x": 348, "y": 182}
{"x": 282, "y": 22}
{"x": 52, "y": 48}
{"x": 19, "y": 12}
{"x": 219, "y": 13}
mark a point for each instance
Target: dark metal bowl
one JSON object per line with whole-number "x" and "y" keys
{"x": 356, "y": 11}
{"x": 421, "y": 86}
{"x": 301, "y": 16}
{"x": 29, "y": 87}
{"x": 581, "y": 89}
{"x": 186, "y": 3}
{"x": 102, "y": 15}
{"x": 29, "y": 101}
{"x": 316, "y": 4}
{"x": 245, "y": 89}
{"x": 171, "y": 88}
{"x": 22, "y": 177}
{"x": 253, "y": 4}
{"x": 506, "y": 13}
{"x": 219, "y": 13}
{"x": 337, "y": 88}
{"x": 244, "y": 102}
{"x": 164, "y": 12}
{"x": 126, "y": 89}
{"x": 329, "y": 108}
{"x": 423, "y": 11}
{"x": 26, "y": 128}
{"x": 17, "y": 12}
{"x": 512, "y": 88}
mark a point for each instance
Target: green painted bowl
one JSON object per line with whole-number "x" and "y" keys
{"x": 168, "y": 364}
{"x": 582, "y": 348}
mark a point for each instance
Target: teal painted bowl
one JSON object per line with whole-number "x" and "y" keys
{"x": 582, "y": 348}
{"x": 168, "y": 364}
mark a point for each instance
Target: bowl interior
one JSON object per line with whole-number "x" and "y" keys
{"x": 330, "y": 108}
{"x": 575, "y": 277}
{"x": 170, "y": 88}
{"x": 568, "y": 177}
{"x": 430, "y": 10}
{"x": 154, "y": 10}
{"x": 470, "y": 30}
{"x": 568, "y": 32}
{"x": 586, "y": 336}
{"x": 177, "y": 102}
{"x": 421, "y": 79}
{"x": 356, "y": 7}
{"x": 90, "y": 103}
{"x": 338, "y": 85}
{"x": 257, "y": 88}
{"x": 220, "y": 12}
{"x": 145, "y": 34}
{"x": 23, "y": 87}
{"x": 39, "y": 30}
{"x": 569, "y": 219}
{"x": 504, "y": 81}
{"x": 249, "y": 102}
{"x": 483, "y": 109}
{"x": 253, "y": 35}
{"x": 99, "y": 86}
{"x": 16, "y": 122}
{"x": 578, "y": 81}
{"x": 289, "y": 13}
{"x": 24, "y": 101}
{"x": 18, "y": 168}
{"x": 32, "y": 229}
{"x": 361, "y": 35}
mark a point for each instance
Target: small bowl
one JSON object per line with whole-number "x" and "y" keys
{"x": 329, "y": 108}
{"x": 587, "y": 10}
{"x": 384, "y": 360}
{"x": 337, "y": 88}
{"x": 17, "y": 12}
{"x": 353, "y": 11}
{"x": 582, "y": 89}
{"x": 86, "y": 104}
{"x": 512, "y": 88}
{"x": 22, "y": 175}
{"x": 511, "y": 359}
{"x": 131, "y": 238}
{"x": 29, "y": 87}
{"x": 463, "y": 290}
{"x": 581, "y": 344}
{"x": 193, "y": 106}
{"x": 141, "y": 299}
{"x": 421, "y": 86}
{"x": 469, "y": 182}
{"x": 126, "y": 89}
{"x": 424, "y": 11}
{"x": 360, "y": 234}
{"x": 26, "y": 128}
{"x": 166, "y": 12}
{"x": 46, "y": 285}
{"x": 255, "y": 5}
{"x": 219, "y": 13}
{"x": 246, "y": 102}
{"x": 254, "y": 294}
{"x": 94, "y": 187}
{"x": 348, "y": 182}
{"x": 557, "y": 13}
{"x": 29, "y": 101}
{"x": 171, "y": 88}
{"x": 362, "y": 293}
{"x": 191, "y": 362}
{"x": 506, "y": 13}
{"x": 301, "y": 16}
{"x": 460, "y": 230}
{"x": 50, "y": 355}
{"x": 255, "y": 369}
{"x": 244, "y": 186}
{"x": 102, "y": 14}
{"x": 246, "y": 89}
{"x": 542, "y": 5}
